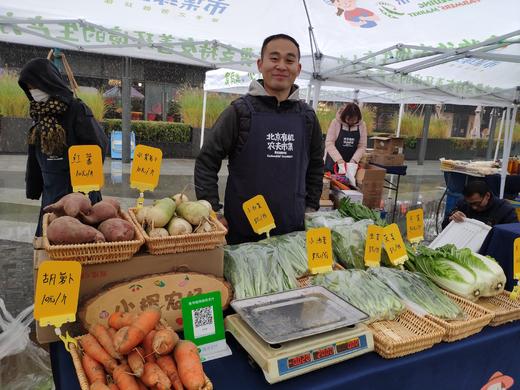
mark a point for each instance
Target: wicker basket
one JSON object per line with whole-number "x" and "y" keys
{"x": 407, "y": 334}
{"x": 476, "y": 318}
{"x": 94, "y": 253}
{"x": 82, "y": 378}
{"x": 182, "y": 243}
{"x": 504, "y": 308}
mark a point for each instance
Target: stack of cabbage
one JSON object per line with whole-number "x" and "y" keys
{"x": 459, "y": 271}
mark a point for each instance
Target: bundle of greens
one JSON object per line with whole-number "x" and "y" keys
{"x": 419, "y": 293}
{"x": 328, "y": 219}
{"x": 290, "y": 250}
{"x": 358, "y": 212}
{"x": 348, "y": 243}
{"x": 363, "y": 291}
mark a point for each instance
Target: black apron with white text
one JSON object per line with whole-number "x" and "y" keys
{"x": 346, "y": 144}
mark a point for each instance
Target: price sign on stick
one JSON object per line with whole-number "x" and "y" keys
{"x": 146, "y": 169}
{"x": 259, "y": 215}
{"x": 516, "y": 268}
{"x": 319, "y": 250}
{"x": 373, "y": 246}
{"x": 415, "y": 225}
{"x": 394, "y": 244}
{"x": 86, "y": 168}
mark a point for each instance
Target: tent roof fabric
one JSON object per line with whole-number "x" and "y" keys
{"x": 450, "y": 51}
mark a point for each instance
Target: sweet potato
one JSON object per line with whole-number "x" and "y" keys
{"x": 68, "y": 230}
{"x": 100, "y": 212}
{"x": 101, "y": 334}
{"x": 71, "y": 205}
{"x": 170, "y": 369}
{"x": 164, "y": 341}
{"x": 136, "y": 361}
{"x": 127, "y": 338}
{"x": 96, "y": 352}
{"x": 154, "y": 376}
{"x": 189, "y": 365}
{"x": 114, "y": 202}
{"x": 117, "y": 229}
{"x": 119, "y": 319}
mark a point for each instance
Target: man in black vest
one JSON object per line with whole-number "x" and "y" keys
{"x": 480, "y": 204}
{"x": 274, "y": 145}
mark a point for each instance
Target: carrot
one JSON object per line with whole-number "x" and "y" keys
{"x": 123, "y": 379}
{"x": 119, "y": 319}
{"x": 164, "y": 341}
{"x": 136, "y": 361}
{"x": 189, "y": 365}
{"x": 93, "y": 369}
{"x": 101, "y": 334}
{"x": 99, "y": 386}
{"x": 154, "y": 376}
{"x": 113, "y": 386}
{"x": 141, "y": 384}
{"x": 168, "y": 366}
{"x": 135, "y": 333}
{"x": 149, "y": 354}
{"x": 96, "y": 352}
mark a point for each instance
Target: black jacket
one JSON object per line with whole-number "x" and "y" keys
{"x": 229, "y": 135}
{"x": 78, "y": 121}
{"x": 498, "y": 212}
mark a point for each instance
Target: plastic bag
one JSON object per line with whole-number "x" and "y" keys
{"x": 349, "y": 170}
{"x": 23, "y": 365}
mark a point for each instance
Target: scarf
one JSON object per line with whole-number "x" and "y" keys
{"x": 47, "y": 132}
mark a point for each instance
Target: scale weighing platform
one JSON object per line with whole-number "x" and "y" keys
{"x": 298, "y": 331}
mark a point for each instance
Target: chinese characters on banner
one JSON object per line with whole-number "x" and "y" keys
{"x": 259, "y": 215}
{"x": 319, "y": 250}
{"x": 86, "y": 168}
{"x": 57, "y": 292}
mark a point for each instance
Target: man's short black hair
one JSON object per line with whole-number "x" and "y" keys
{"x": 279, "y": 36}
{"x": 476, "y": 187}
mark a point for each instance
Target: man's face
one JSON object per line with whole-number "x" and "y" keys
{"x": 478, "y": 202}
{"x": 279, "y": 65}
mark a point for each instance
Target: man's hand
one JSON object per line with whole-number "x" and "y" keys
{"x": 222, "y": 220}
{"x": 458, "y": 216}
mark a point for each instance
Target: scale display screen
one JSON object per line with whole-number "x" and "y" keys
{"x": 318, "y": 355}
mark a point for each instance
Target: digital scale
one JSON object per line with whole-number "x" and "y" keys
{"x": 298, "y": 331}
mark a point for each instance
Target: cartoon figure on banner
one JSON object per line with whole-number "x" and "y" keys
{"x": 498, "y": 381}
{"x": 355, "y": 16}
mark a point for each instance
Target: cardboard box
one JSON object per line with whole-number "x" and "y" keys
{"x": 388, "y": 159}
{"x": 367, "y": 157}
{"x": 389, "y": 145}
{"x": 369, "y": 174}
{"x": 95, "y": 278}
{"x": 325, "y": 192}
{"x": 353, "y": 195}
{"x": 326, "y": 205}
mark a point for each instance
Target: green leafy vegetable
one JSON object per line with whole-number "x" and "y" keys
{"x": 358, "y": 212}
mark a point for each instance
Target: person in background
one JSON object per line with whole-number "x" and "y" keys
{"x": 346, "y": 138}
{"x": 274, "y": 144}
{"x": 480, "y": 204}
{"x": 59, "y": 121}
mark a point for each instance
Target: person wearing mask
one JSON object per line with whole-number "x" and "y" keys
{"x": 480, "y": 204}
{"x": 346, "y": 140}
{"x": 274, "y": 145}
{"x": 59, "y": 121}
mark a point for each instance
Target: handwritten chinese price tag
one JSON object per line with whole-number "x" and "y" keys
{"x": 415, "y": 225}
{"x": 57, "y": 292}
{"x": 319, "y": 250}
{"x": 259, "y": 215}
{"x": 373, "y": 246}
{"x": 86, "y": 168}
{"x": 394, "y": 244}
{"x": 146, "y": 168}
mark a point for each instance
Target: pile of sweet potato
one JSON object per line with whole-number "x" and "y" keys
{"x": 140, "y": 351}
{"x": 74, "y": 220}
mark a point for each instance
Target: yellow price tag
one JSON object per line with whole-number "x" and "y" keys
{"x": 516, "y": 259}
{"x": 515, "y": 293}
{"x": 146, "y": 168}
{"x": 373, "y": 245}
{"x": 415, "y": 225}
{"x": 57, "y": 292}
{"x": 394, "y": 244}
{"x": 319, "y": 250}
{"x": 259, "y": 215}
{"x": 86, "y": 168}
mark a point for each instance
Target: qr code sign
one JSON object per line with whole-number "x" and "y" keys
{"x": 203, "y": 322}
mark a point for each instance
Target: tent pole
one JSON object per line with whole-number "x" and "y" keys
{"x": 316, "y": 95}
{"x": 491, "y": 135}
{"x": 426, "y": 128}
{"x": 500, "y": 134}
{"x": 309, "y": 91}
{"x": 126, "y": 103}
{"x": 399, "y": 119}
{"x": 203, "y": 118}
{"x": 505, "y": 156}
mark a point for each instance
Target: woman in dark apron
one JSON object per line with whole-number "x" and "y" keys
{"x": 346, "y": 140}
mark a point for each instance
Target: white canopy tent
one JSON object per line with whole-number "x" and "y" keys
{"x": 443, "y": 50}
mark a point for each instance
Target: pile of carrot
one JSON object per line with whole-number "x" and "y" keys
{"x": 140, "y": 351}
